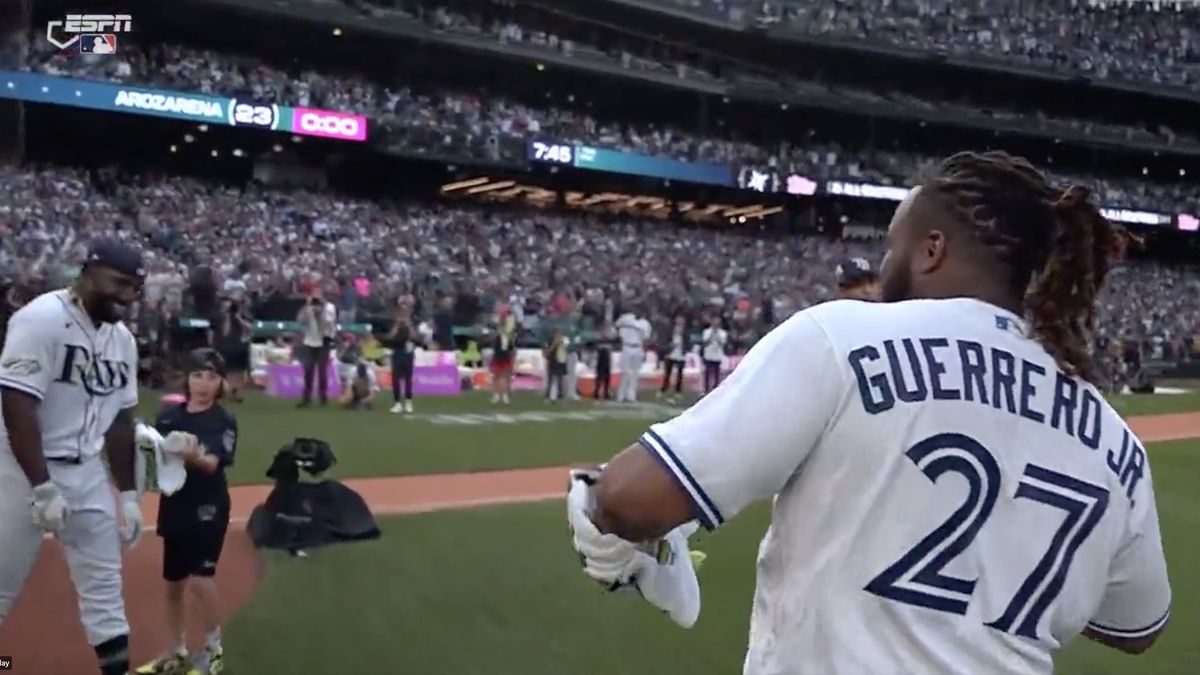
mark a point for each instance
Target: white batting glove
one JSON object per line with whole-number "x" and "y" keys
{"x": 146, "y": 437}
{"x": 132, "y": 522}
{"x": 607, "y": 558}
{"x": 49, "y": 508}
{"x": 661, "y": 572}
{"x": 178, "y": 443}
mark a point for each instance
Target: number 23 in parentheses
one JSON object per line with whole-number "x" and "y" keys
{"x": 917, "y": 577}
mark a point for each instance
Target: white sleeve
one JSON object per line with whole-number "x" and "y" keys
{"x": 1137, "y": 600}
{"x": 742, "y": 442}
{"x": 129, "y": 393}
{"x": 27, "y": 362}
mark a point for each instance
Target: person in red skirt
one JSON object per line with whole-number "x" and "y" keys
{"x": 504, "y": 352}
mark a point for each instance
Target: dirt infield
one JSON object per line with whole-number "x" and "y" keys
{"x": 46, "y": 609}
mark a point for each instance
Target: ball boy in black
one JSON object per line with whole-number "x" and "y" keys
{"x": 192, "y": 522}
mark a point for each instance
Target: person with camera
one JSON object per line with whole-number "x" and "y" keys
{"x": 604, "y": 361}
{"x": 232, "y": 340}
{"x": 403, "y": 340}
{"x": 555, "y": 353}
{"x": 357, "y": 375}
{"x": 192, "y": 522}
{"x": 318, "y": 321}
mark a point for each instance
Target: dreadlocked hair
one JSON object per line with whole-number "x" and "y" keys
{"x": 1055, "y": 246}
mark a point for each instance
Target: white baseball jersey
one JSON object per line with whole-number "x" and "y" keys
{"x": 83, "y": 375}
{"x": 713, "y": 343}
{"x": 946, "y": 500}
{"x": 633, "y": 331}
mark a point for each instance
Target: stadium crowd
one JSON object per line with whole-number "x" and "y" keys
{"x": 540, "y": 263}
{"x": 1145, "y": 43}
{"x": 462, "y": 122}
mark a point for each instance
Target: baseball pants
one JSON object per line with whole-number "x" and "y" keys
{"x": 571, "y": 381}
{"x": 90, "y": 541}
{"x": 630, "y": 367}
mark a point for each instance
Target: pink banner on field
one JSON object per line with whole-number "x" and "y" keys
{"x": 528, "y": 383}
{"x": 287, "y": 381}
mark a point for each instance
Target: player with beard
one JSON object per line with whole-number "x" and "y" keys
{"x": 68, "y": 390}
{"x": 952, "y": 494}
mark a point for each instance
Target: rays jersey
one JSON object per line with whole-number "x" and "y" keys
{"x": 632, "y": 331}
{"x": 946, "y": 500}
{"x": 83, "y": 375}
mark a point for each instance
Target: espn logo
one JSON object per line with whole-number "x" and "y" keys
{"x": 5, "y": 663}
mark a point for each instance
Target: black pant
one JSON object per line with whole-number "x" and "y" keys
{"x": 556, "y": 374}
{"x": 669, "y": 366}
{"x": 315, "y": 360}
{"x": 712, "y": 375}
{"x": 603, "y": 375}
{"x": 194, "y": 552}
{"x": 402, "y": 378}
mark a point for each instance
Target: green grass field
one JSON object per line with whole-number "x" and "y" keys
{"x": 498, "y": 590}
{"x": 446, "y": 435}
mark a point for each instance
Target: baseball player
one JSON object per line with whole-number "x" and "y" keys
{"x": 952, "y": 494}
{"x": 857, "y": 281}
{"x": 68, "y": 390}
{"x": 633, "y": 331}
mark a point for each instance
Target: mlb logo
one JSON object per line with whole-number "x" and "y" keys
{"x": 97, "y": 43}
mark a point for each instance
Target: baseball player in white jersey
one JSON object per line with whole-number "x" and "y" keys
{"x": 632, "y": 331}
{"x": 68, "y": 389}
{"x": 951, "y": 494}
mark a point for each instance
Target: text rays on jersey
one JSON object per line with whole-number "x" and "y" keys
{"x": 97, "y": 375}
{"x": 916, "y": 370}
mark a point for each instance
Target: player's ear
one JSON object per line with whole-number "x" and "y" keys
{"x": 932, "y": 253}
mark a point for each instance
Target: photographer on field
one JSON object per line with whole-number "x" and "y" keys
{"x": 318, "y": 323}
{"x": 232, "y": 332}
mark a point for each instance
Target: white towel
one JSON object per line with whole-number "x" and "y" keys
{"x": 169, "y": 470}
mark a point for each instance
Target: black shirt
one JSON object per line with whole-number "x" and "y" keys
{"x": 443, "y": 329}
{"x": 403, "y": 344}
{"x": 204, "y": 496}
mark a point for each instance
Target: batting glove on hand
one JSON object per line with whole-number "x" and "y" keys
{"x": 179, "y": 443}
{"x": 131, "y": 515}
{"x": 49, "y": 508}
{"x": 146, "y": 437}
{"x": 661, "y": 572}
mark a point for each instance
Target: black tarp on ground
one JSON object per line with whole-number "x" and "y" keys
{"x": 300, "y": 515}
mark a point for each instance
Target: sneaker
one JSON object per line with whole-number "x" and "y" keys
{"x": 396, "y": 408}
{"x": 408, "y": 406}
{"x": 208, "y": 662}
{"x": 174, "y": 663}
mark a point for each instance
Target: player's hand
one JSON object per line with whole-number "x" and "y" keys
{"x": 180, "y": 444}
{"x": 607, "y": 558}
{"x": 131, "y": 515}
{"x": 661, "y": 572}
{"x": 146, "y": 437}
{"x": 49, "y": 508}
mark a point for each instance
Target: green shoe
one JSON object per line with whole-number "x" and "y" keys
{"x": 174, "y": 663}
{"x": 209, "y": 662}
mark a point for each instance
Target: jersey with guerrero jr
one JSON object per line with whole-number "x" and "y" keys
{"x": 83, "y": 375}
{"x": 947, "y": 500}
